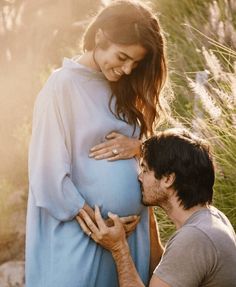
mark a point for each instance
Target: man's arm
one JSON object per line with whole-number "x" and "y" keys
{"x": 114, "y": 239}
{"x": 127, "y": 273}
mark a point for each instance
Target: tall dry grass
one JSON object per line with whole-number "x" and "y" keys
{"x": 201, "y": 46}
{"x": 216, "y": 97}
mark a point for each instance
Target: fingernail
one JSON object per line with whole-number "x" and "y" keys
{"x": 92, "y": 149}
{"x": 91, "y": 155}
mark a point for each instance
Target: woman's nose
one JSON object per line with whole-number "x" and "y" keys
{"x": 127, "y": 68}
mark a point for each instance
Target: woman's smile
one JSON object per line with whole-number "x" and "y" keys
{"x": 117, "y": 73}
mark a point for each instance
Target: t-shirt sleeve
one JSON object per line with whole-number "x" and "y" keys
{"x": 50, "y": 155}
{"x": 189, "y": 256}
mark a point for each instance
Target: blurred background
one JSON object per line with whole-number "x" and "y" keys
{"x": 35, "y": 35}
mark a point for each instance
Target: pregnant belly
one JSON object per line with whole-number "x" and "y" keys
{"x": 111, "y": 185}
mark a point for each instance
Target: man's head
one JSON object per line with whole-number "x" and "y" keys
{"x": 176, "y": 160}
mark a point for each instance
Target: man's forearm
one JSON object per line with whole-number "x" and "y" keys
{"x": 127, "y": 273}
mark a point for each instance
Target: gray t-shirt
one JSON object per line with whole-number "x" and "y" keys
{"x": 201, "y": 253}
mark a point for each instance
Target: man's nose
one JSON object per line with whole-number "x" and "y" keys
{"x": 140, "y": 176}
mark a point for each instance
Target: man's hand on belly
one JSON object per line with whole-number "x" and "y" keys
{"x": 129, "y": 223}
{"x": 89, "y": 211}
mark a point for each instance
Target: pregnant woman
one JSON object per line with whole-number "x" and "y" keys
{"x": 88, "y": 122}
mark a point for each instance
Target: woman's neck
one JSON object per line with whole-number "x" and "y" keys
{"x": 87, "y": 59}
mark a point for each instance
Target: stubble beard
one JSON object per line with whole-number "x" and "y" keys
{"x": 161, "y": 199}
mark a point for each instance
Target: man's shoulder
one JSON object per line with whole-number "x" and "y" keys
{"x": 204, "y": 244}
{"x": 188, "y": 249}
{"x": 212, "y": 223}
{"x": 208, "y": 229}
{"x": 188, "y": 235}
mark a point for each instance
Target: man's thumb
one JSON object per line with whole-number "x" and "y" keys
{"x": 114, "y": 217}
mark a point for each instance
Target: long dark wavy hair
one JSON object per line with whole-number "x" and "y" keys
{"x": 138, "y": 94}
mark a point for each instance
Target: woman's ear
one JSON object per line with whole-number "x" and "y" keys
{"x": 98, "y": 36}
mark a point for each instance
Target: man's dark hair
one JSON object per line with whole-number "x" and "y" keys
{"x": 179, "y": 152}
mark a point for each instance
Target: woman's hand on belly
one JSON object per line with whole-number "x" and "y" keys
{"x": 117, "y": 146}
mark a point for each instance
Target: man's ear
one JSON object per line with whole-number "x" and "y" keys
{"x": 169, "y": 179}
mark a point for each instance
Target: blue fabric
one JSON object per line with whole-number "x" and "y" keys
{"x": 72, "y": 115}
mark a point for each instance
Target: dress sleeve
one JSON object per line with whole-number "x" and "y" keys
{"x": 189, "y": 257}
{"x": 50, "y": 156}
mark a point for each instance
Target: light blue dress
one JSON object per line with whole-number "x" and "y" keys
{"x": 72, "y": 115}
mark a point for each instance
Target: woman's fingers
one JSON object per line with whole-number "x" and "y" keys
{"x": 116, "y": 147}
{"x": 111, "y": 154}
{"x": 103, "y": 154}
{"x": 131, "y": 226}
{"x": 111, "y": 140}
{"x": 102, "y": 146}
{"x": 104, "y": 151}
{"x": 114, "y": 140}
{"x": 128, "y": 219}
{"x": 113, "y": 135}
{"x": 116, "y": 220}
{"x": 130, "y": 223}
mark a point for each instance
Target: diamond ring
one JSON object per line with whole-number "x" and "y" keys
{"x": 115, "y": 151}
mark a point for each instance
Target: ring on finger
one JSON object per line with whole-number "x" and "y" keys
{"x": 115, "y": 151}
{"x": 89, "y": 234}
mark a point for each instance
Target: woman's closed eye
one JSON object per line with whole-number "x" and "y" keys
{"x": 122, "y": 58}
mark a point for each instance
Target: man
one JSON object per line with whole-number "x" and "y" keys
{"x": 177, "y": 175}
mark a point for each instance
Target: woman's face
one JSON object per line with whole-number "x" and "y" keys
{"x": 118, "y": 60}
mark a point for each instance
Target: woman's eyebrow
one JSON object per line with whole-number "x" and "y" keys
{"x": 126, "y": 55}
